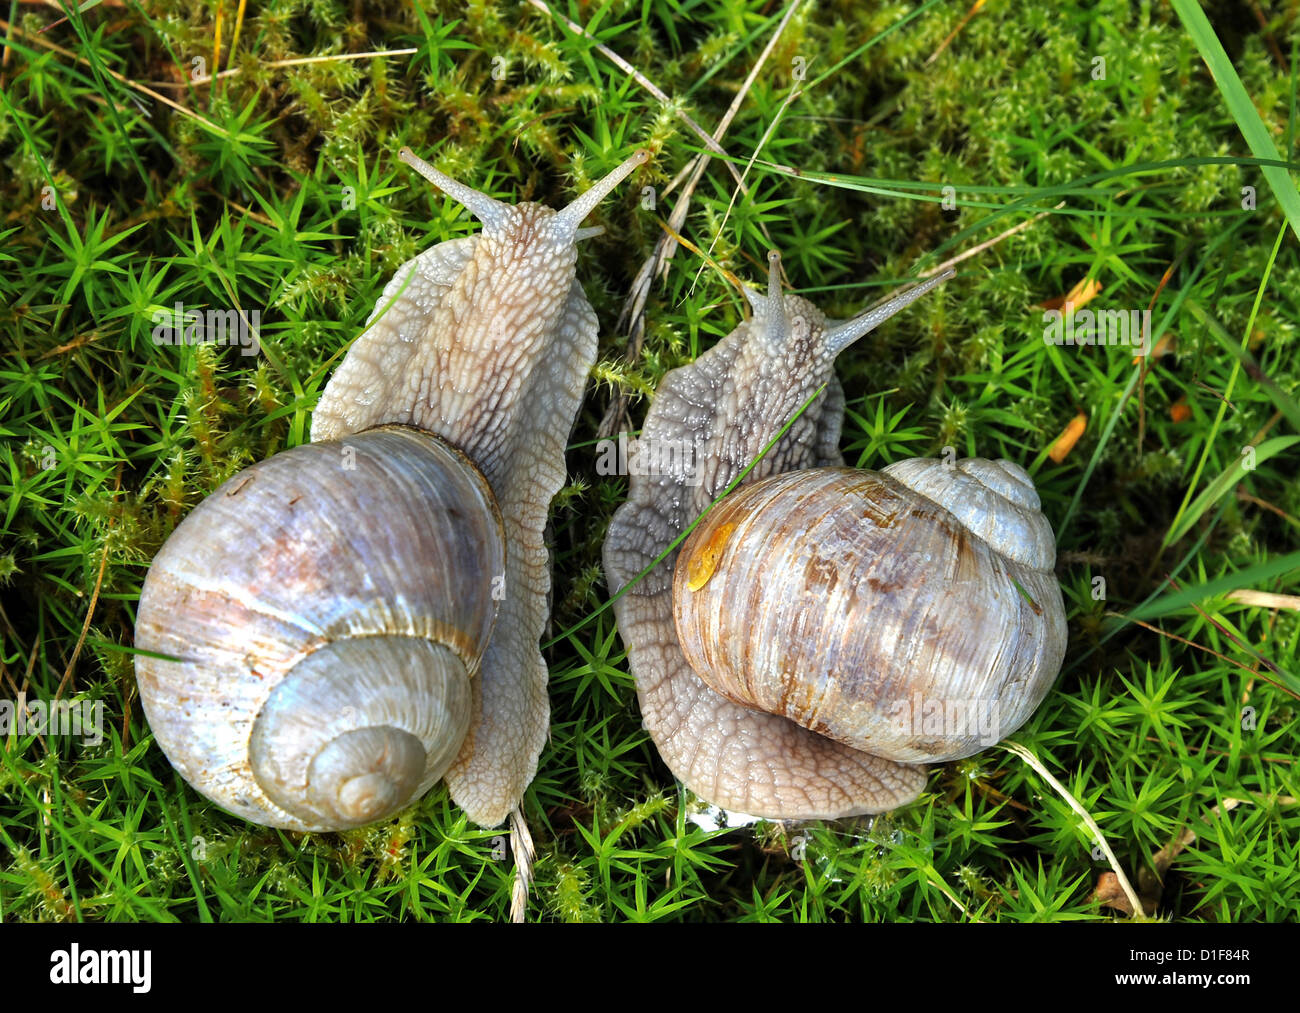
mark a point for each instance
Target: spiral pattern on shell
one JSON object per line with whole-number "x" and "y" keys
{"x": 321, "y": 678}
{"x": 910, "y": 613}
{"x": 995, "y": 500}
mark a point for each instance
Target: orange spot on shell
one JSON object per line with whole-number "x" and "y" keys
{"x": 1180, "y": 410}
{"x": 703, "y": 561}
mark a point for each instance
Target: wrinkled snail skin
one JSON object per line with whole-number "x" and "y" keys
{"x": 727, "y": 406}
{"x": 426, "y": 663}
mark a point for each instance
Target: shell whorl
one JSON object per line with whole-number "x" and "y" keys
{"x": 994, "y": 500}
{"x": 323, "y": 677}
{"x": 360, "y": 727}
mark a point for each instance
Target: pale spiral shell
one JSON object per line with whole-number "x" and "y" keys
{"x": 324, "y": 675}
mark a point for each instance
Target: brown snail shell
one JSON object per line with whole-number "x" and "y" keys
{"x": 859, "y": 606}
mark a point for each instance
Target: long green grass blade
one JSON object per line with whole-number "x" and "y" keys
{"x": 1241, "y": 107}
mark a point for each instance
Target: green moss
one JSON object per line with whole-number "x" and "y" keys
{"x": 109, "y": 439}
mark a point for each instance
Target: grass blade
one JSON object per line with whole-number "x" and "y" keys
{"x": 1240, "y": 106}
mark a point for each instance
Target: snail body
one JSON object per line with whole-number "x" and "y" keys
{"x": 788, "y": 657}
{"x": 346, "y": 623}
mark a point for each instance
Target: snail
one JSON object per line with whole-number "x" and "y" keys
{"x": 339, "y": 627}
{"x": 799, "y": 656}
